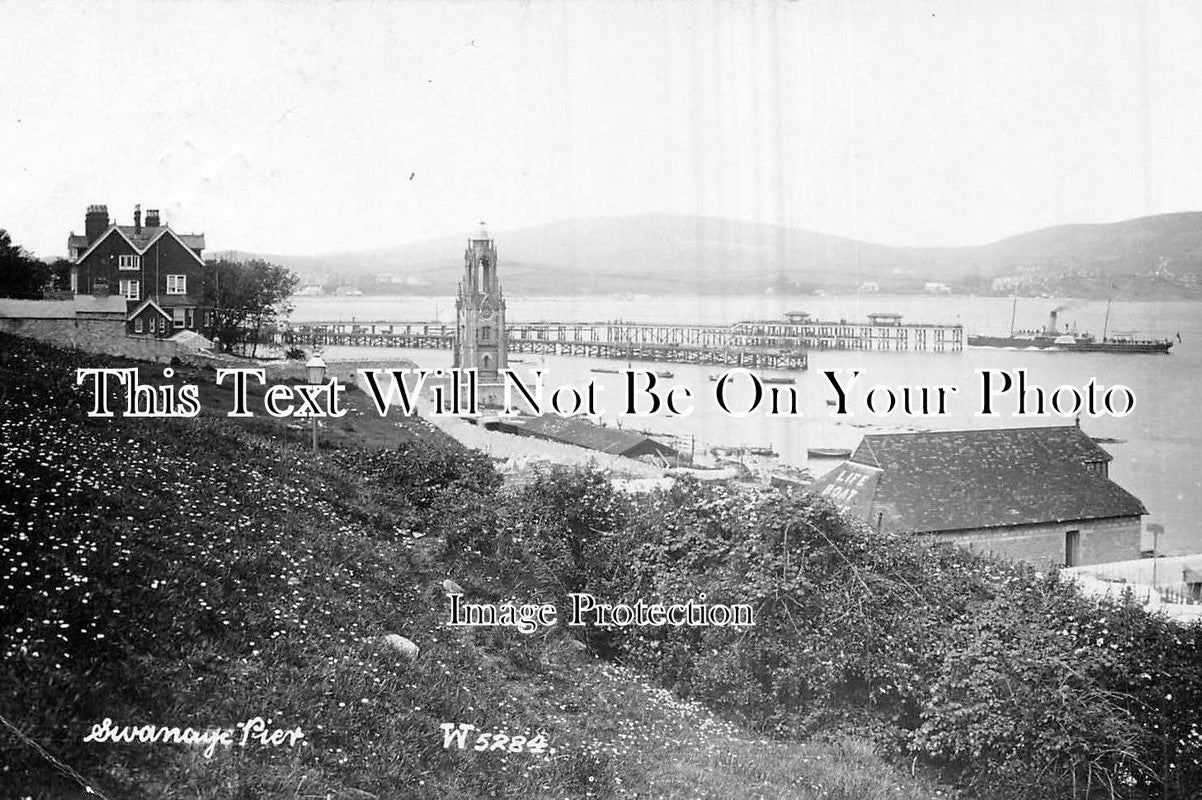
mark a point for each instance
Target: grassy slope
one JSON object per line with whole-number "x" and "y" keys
{"x": 202, "y": 572}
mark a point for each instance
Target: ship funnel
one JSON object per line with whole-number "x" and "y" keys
{"x": 1052, "y": 322}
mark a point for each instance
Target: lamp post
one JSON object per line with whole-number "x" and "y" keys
{"x": 315, "y": 375}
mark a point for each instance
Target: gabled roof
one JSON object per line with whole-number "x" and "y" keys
{"x": 966, "y": 480}
{"x": 142, "y": 242}
{"x": 194, "y": 241}
{"x": 142, "y": 306}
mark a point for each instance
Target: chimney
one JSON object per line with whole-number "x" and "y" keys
{"x": 95, "y": 222}
{"x": 137, "y": 219}
{"x": 152, "y": 218}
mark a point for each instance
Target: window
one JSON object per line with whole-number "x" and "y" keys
{"x": 188, "y": 320}
{"x": 138, "y": 326}
{"x": 177, "y": 317}
{"x": 129, "y": 262}
{"x": 131, "y": 290}
{"x": 177, "y": 284}
{"x": 162, "y": 325}
{"x": 485, "y": 333}
{"x": 1072, "y": 548}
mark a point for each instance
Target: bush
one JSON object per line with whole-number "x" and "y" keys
{"x": 258, "y": 572}
{"x": 1012, "y": 683}
{"x": 1018, "y": 708}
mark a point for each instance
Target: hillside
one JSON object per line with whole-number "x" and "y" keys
{"x": 664, "y": 253}
{"x": 203, "y": 572}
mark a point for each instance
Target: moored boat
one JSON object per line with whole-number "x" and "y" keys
{"x": 1051, "y": 338}
{"x": 828, "y": 452}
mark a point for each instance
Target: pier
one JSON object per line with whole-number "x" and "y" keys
{"x": 679, "y": 344}
{"x": 770, "y": 344}
{"x": 882, "y": 331}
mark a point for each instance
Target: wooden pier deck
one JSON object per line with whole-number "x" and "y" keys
{"x": 618, "y": 341}
{"x": 772, "y": 344}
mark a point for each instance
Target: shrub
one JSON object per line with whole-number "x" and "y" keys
{"x": 1018, "y": 707}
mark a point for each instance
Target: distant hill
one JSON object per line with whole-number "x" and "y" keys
{"x": 667, "y": 253}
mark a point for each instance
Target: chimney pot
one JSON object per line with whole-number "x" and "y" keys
{"x": 95, "y": 222}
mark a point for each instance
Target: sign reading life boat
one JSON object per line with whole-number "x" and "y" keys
{"x": 850, "y": 486}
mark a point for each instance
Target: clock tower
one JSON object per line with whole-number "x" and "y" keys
{"x": 480, "y": 339}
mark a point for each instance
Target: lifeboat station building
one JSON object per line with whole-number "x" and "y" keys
{"x": 1040, "y": 494}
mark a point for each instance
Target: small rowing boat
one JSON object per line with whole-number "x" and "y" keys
{"x": 828, "y": 452}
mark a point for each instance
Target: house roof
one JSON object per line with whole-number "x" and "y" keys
{"x": 194, "y": 241}
{"x": 963, "y": 480}
{"x": 139, "y": 241}
{"x": 142, "y": 307}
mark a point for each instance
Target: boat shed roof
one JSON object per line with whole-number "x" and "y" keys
{"x": 967, "y": 480}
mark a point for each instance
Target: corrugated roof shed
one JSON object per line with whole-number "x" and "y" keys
{"x": 968, "y": 480}
{"x": 580, "y": 432}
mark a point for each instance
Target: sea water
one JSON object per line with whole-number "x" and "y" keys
{"x": 1155, "y": 457}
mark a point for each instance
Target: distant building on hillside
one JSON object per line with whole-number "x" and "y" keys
{"x": 1041, "y": 495}
{"x": 158, "y": 272}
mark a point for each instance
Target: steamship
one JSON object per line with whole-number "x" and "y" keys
{"x": 1052, "y": 338}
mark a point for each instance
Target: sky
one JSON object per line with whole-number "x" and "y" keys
{"x": 314, "y": 127}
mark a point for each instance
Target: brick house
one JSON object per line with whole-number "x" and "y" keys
{"x": 159, "y": 272}
{"x": 1040, "y": 494}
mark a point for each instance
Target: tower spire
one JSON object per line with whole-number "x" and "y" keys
{"x": 480, "y": 336}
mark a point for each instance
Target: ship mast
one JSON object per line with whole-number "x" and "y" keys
{"x": 1013, "y": 311}
{"x": 1106, "y": 324}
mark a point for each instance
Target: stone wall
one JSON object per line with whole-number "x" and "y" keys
{"x": 103, "y": 337}
{"x": 1102, "y": 540}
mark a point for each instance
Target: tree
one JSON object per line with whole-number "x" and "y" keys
{"x": 60, "y": 273}
{"x": 246, "y": 297}
{"x": 20, "y": 275}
